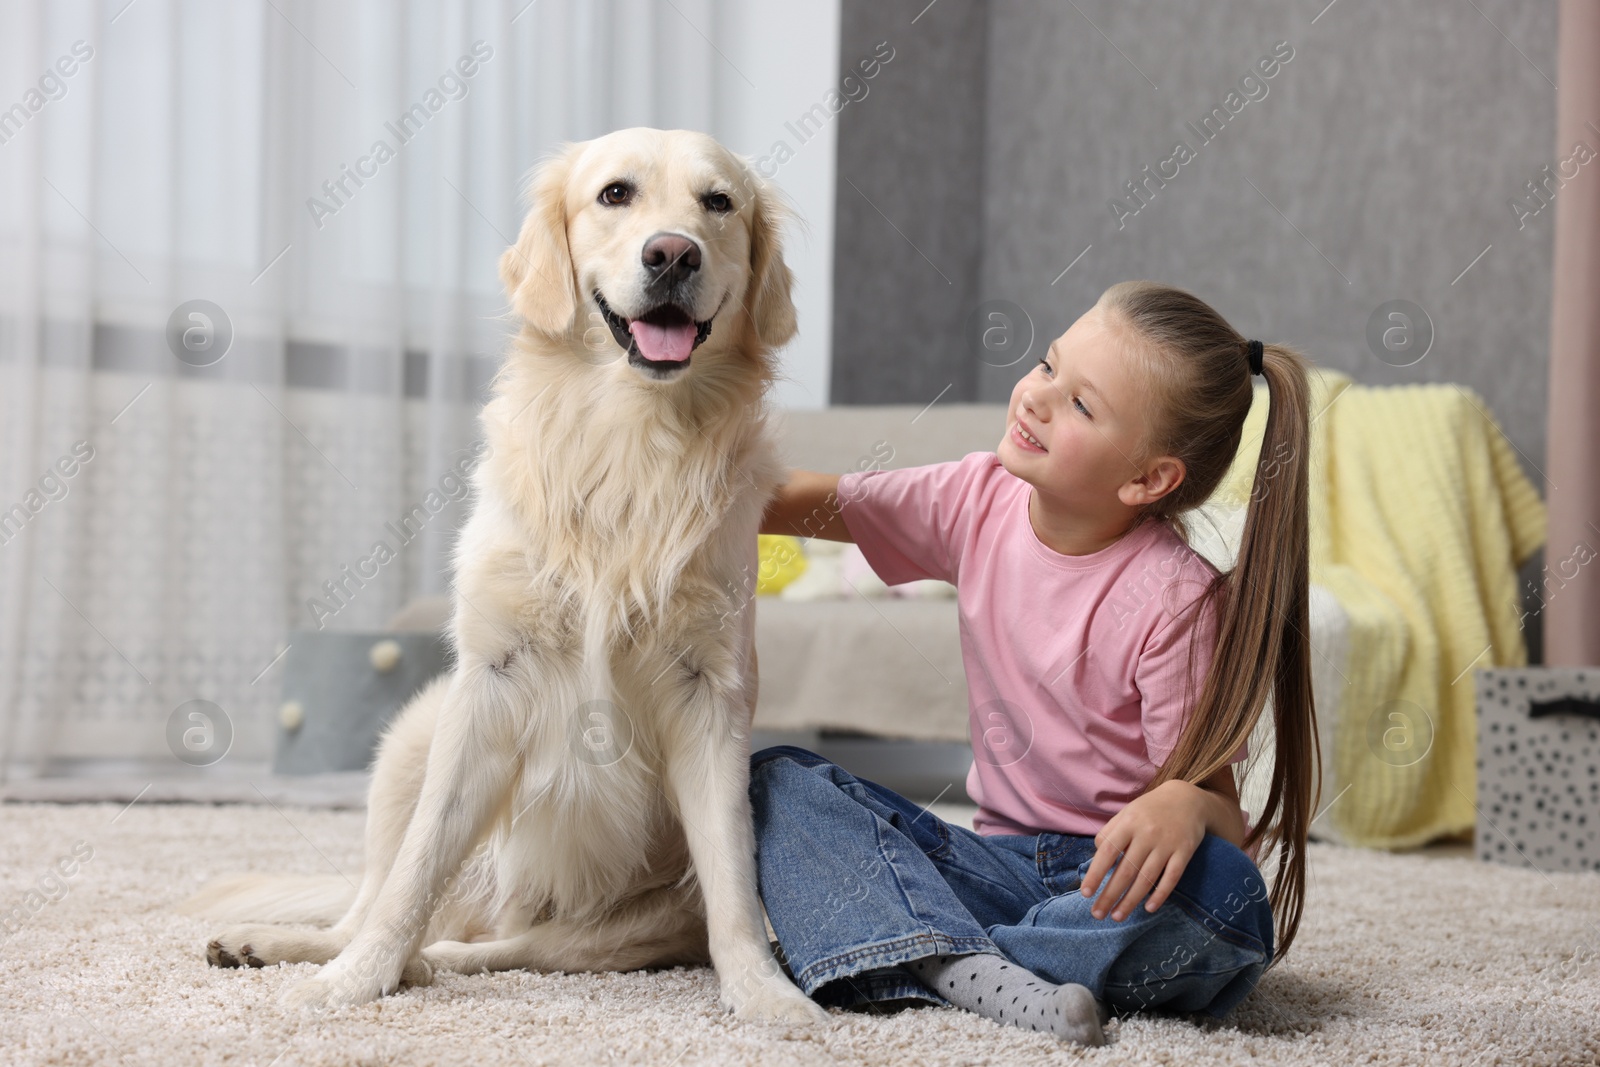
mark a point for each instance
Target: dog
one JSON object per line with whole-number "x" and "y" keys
{"x": 572, "y": 795}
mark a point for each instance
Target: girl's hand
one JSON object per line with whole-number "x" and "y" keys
{"x": 1154, "y": 836}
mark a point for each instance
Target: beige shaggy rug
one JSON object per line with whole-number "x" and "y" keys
{"x": 1403, "y": 959}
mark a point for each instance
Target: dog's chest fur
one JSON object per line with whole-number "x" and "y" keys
{"x": 617, "y": 547}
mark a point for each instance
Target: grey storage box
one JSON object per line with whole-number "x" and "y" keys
{"x": 1538, "y": 754}
{"x": 341, "y": 689}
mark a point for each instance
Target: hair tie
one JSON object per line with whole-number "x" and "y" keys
{"x": 1254, "y": 350}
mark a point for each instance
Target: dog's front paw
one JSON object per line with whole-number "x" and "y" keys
{"x": 419, "y": 972}
{"x": 335, "y": 986}
{"x": 775, "y": 1000}
{"x": 307, "y": 995}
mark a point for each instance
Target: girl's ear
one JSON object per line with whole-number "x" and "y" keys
{"x": 537, "y": 270}
{"x": 1161, "y": 476}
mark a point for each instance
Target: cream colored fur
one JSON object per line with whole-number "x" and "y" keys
{"x": 572, "y": 796}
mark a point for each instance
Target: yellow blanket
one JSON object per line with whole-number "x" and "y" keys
{"x": 1420, "y": 515}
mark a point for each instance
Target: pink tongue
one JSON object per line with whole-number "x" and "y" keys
{"x": 671, "y": 343}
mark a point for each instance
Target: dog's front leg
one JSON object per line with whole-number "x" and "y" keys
{"x": 708, "y": 773}
{"x": 470, "y": 763}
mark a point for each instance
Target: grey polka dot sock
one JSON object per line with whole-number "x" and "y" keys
{"x": 997, "y": 989}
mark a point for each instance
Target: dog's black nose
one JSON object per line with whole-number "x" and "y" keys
{"x": 670, "y": 258}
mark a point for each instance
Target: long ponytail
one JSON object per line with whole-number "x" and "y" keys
{"x": 1262, "y": 605}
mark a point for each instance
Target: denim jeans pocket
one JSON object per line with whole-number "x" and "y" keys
{"x": 1063, "y": 860}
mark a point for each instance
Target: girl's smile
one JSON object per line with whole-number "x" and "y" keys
{"x": 1026, "y": 439}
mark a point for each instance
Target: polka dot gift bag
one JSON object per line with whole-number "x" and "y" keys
{"x": 1539, "y": 767}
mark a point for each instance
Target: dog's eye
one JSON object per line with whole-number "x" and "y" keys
{"x": 616, "y": 193}
{"x": 721, "y": 203}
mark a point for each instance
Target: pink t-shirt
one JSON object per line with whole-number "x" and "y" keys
{"x": 1076, "y": 665}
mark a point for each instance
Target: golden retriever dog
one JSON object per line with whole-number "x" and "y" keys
{"x": 572, "y": 795}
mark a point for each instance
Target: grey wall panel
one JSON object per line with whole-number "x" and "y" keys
{"x": 908, "y": 240}
{"x": 1384, "y": 155}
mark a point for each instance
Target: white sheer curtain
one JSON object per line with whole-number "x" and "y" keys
{"x": 338, "y": 178}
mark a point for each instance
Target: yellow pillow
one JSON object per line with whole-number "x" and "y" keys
{"x": 782, "y": 561}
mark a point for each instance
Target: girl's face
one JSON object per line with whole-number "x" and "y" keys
{"x": 1082, "y": 405}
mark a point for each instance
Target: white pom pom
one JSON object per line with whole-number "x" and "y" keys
{"x": 291, "y": 715}
{"x": 384, "y": 656}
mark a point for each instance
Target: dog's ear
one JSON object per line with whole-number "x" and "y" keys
{"x": 768, "y": 300}
{"x": 537, "y": 270}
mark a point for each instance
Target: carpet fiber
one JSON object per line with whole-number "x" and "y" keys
{"x": 1402, "y": 959}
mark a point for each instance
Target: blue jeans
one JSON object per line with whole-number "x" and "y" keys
{"x": 856, "y": 880}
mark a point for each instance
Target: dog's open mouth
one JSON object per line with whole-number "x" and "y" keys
{"x": 660, "y": 340}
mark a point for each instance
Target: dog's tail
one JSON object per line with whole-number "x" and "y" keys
{"x": 272, "y": 898}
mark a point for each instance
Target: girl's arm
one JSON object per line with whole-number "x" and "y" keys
{"x": 1220, "y": 800}
{"x": 1154, "y": 836}
{"x": 807, "y": 506}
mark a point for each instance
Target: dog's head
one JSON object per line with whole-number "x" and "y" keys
{"x": 652, "y": 243}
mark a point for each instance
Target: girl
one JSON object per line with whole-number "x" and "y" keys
{"x": 1114, "y": 678}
